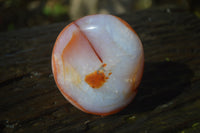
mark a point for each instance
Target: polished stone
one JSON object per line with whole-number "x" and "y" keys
{"x": 97, "y": 62}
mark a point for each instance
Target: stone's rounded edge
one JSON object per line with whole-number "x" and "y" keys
{"x": 77, "y": 105}
{"x": 53, "y": 65}
{"x": 54, "y": 70}
{"x": 69, "y": 98}
{"x": 142, "y": 50}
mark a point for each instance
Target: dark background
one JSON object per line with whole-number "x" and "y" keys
{"x": 15, "y": 14}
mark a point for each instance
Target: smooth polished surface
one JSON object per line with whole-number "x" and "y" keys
{"x": 97, "y": 62}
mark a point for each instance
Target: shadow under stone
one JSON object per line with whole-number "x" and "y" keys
{"x": 161, "y": 82}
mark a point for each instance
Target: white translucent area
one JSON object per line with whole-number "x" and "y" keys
{"x": 118, "y": 47}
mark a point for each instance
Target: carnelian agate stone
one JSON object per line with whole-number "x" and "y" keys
{"x": 97, "y": 63}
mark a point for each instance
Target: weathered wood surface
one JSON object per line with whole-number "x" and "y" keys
{"x": 168, "y": 98}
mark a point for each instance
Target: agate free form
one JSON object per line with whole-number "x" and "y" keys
{"x": 97, "y": 62}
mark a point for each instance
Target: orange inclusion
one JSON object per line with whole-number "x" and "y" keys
{"x": 96, "y": 79}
